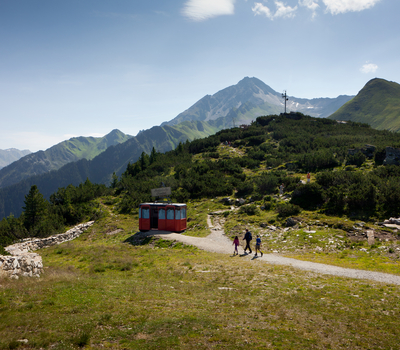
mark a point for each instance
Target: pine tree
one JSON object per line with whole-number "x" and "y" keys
{"x": 35, "y": 209}
{"x": 114, "y": 180}
{"x": 153, "y": 155}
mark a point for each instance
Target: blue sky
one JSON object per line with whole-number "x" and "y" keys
{"x": 85, "y": 67}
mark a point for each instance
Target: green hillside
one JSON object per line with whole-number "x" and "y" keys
{"x": 119, "y": 289}
{"x": 59, "y": 155}
{"x": 245, "y": 162}
{"x": 101, "y": 168}
{"x": 377, "y": 104}
{"x": 90, "y": 147}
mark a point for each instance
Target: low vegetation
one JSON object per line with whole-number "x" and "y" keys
{"x": 117, "y": 291}
{"x": 159, "y": 295}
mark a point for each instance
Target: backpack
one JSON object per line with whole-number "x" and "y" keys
{"x": 249, "y": 236}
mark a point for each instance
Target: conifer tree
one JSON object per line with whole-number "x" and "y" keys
{"x": 153, "y": 155}
{"x": 35, "y": 209}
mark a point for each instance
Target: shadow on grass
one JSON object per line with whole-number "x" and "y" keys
{"x": 144, "y": 237}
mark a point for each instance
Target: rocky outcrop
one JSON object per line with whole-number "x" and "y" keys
{"x": 368, "y": 151}
{"x": 392, "y": 156}
{"x": 22, "y": 262}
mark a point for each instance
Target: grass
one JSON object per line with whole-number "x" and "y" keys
{"x": 157, "y": 296}
{"x": 100, "y": 292}
{"x": 197, "y": 216}
{"x": 355, "y": 260}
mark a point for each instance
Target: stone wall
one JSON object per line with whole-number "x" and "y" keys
{"x": 22, "y": 262}
{"x": 29, "y": 264}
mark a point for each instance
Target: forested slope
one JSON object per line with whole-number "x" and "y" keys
{"x": 249, "y": 163}
{"x": 100, "y": 169}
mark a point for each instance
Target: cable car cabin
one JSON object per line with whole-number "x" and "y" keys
{"x": 162, "y": 216}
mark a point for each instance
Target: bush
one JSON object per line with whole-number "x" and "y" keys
{"x": 267, "y": 183}
{"x": 250, "y": 209}
{"x": 245, "y": 188}
{"x": 308, "y": 196}
{"x": 356, "y": 159}
{"x": 287, "y": 209}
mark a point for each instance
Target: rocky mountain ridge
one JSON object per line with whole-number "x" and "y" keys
{"x": 251, "y": 98}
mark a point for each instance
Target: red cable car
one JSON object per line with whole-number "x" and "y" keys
{"x": 162, "y": 217}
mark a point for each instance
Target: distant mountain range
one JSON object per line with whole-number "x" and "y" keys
{"x": 100, "y": 168}
{"x": 377, "y": 104}
{"x": 8, "y": 156}
{"x": 251, "y": 98}
{"x": 57, "y": 156}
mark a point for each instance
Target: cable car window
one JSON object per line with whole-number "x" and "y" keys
{"x": 161, "y": 214}
{"x": 170, "y": 214}
{"x": 183, "y": 212}
{"x": 140, "y": 213}
{"x": 177, "y": 214}
{"x": 145, "y": 213}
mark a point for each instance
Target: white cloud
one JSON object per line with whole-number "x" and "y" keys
{"x": 281, "y": 10}
{"x": 369, "y": 68}
{"x": 311, "y": 5}
{"x": 341, "y": 6}
{"x": 260, "y": 9}
{"x": 284, "y": 11}
{"x": 200, "y": 10}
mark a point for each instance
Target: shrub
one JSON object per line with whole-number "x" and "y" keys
{"x": 250, "y": 209}
{"x": 267, "y": 183}
{"x": 245, "y": 188}
{"x": 287, "y": 209}
{"x": 356, "y": 159}
{"x": 308, "y": 196}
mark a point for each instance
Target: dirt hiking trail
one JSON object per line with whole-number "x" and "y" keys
{"x": 217, "y": 242}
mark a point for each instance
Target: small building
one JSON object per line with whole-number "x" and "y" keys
{"x": 162, "y": 216}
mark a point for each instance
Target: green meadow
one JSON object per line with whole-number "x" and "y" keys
{"x": 99, "y": 291}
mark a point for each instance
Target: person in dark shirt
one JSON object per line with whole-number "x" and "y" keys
{"x": 247, "y": 238}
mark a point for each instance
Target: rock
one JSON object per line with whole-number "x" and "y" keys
{"x": 226, "y": 200}
{"x": 290, "y": 222}
{"x": 392, "y": 156}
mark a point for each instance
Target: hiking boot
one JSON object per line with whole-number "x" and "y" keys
{"x": 262, "y": 254}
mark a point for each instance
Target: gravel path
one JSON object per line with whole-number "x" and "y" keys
{"x": 217, "y": 242}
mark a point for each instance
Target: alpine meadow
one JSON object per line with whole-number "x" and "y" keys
{"x": 114, "y": 287}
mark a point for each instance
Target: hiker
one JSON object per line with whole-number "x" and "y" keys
{"x": 281, "y": 187}
{"x": 308, "y": 178}
{"x": 258, "y": 246}
{"x": 236, "y": 243}
{"x": 247, "y": 238}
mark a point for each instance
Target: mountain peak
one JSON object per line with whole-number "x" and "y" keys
{"x": 116, "y": 136}
{"x": 249, "y": 99}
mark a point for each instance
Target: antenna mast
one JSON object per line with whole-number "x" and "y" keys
{"x": 284, "y": 96}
